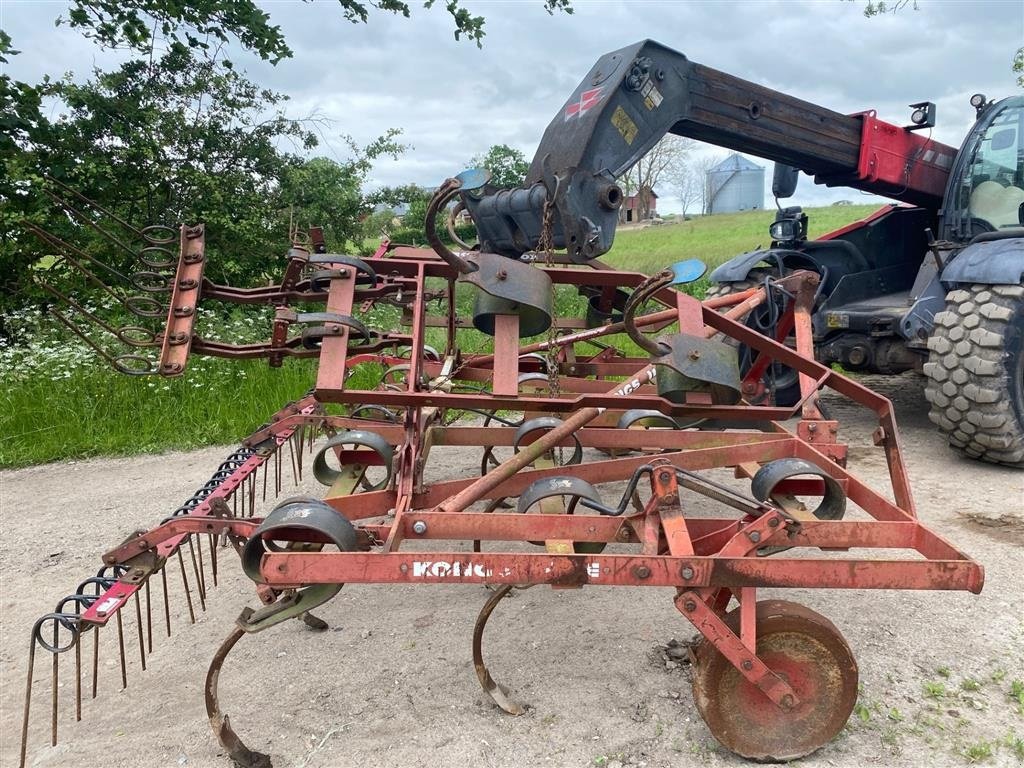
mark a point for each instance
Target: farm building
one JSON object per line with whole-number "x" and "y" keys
{"x": 633, "y": 206}
{"x": 735, "y": 184}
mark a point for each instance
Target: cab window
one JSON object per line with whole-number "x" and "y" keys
{"x": 995, "y": 176}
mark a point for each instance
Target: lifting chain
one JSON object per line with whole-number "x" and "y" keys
{"x": 546, "y": 243}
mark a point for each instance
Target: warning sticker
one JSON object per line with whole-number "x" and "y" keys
{"x": 625, "y": 125}
{"x": 652, "y": 96}
{"x": 837, "y": 320}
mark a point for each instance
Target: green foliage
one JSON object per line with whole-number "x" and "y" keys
{"x": 204, "y": 25}
{"x": 508, "y": 166}
{"x": 1018, "y": 66}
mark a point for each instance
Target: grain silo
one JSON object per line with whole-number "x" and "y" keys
{"x": 735, "y": 184}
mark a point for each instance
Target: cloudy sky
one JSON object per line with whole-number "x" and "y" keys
{"x": 453, "y": 100}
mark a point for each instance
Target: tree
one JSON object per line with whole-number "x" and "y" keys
{"x": 508, "y": 166}
{"x": 665, "y": 161}
{"x": 206, "y": 24}
{"x": 700, "y": 168}
{"x": 688, "y": 184}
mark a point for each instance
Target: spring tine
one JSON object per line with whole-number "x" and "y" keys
{"x": 87, "y": 221}
{"x": 149, "y": 618}
{"x": 213, "y": 557}
{"x": 188, "y": 592}
{"x": 291, "y": 456}
{"x": 252, "y": 494}
{"x": 120, "y": 645}
{"x": 78, "y": 682}
{"x": 167, "y": 605}
{"x": 138, "y": 620}
{"x": 278, "y": 468}
{"x": 53, "y": 688}
{"x": 95, "y": 659}
{"x": 28, "y": 699}
{"x": 93, "y": 204}
{"x": 114, "y": 362}
{"x": 66, "y": 246}
{"x": 198, "y": 570}
{"x": 264, "y": 481}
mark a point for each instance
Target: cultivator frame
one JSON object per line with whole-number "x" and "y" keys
{"x": 662, "y": 421}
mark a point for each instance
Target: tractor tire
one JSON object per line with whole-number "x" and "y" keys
{"x": 789, "y": 393}
{"x": 975, "y": 372}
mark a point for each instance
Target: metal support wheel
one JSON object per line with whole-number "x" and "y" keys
{"x": 806, "y": 650}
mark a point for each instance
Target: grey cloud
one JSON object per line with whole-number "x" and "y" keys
{"x": 453, "y": 100}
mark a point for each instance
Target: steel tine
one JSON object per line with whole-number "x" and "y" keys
{"x": 278, "y": 469}
{"x": 291, "y": 456}
{"x": 64, "y": 245}
{"x": 95, "y": 659}
{"x": 213, "y": 557}
{"x": 120, "y": 645}
{"x": 167, "y": 604}
{"x": 149, "y": 618}
{"x": 138, "y": 620}
{"x": 94, "y": 204}
{"x": 252, "y": 494}
{"x": 188, "y": 592}
{"x": 264, "y": 481}
{"x": 78, "y": 680}
{"x": 28, "y": 698}
{"x": 88, "y": 221}
{"x": 53, "y": 686}
{"x": 197, "y": 568}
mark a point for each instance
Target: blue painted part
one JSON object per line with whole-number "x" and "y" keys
{"x": 474, "y": 178}
{"x": 993, "y": 262}
{"x": 687, "y": 271}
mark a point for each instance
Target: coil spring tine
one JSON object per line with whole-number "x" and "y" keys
{"x": 213, "y": 555}
{"x": 28, "y": 699}
{"x": 138, "y": 621}
{"x": 95, "y": 660}
{"x": 200, "y": 581}
{"x": 188, "y": 591}
{"x": 78, "y": 682}
{"x": 120, "y": 645}
{"x": 291, "y": 455}
{"x": 53, "y": 689}
{"x": 264, "y": 482}
{"x": 167, "y": 605}
{"x": 149, "y": 617}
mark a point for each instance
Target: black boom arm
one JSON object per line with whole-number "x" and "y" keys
{"x": 629, "y": 100}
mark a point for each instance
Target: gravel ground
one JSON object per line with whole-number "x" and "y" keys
{"x": 392, "y": 682}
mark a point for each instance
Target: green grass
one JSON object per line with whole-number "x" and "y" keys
{"x": 97, "y": 411}
{"x": 715, "y": 239}
{"x": 58, "y": 402}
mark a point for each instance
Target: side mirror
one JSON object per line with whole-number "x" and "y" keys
{"x": 784, "y": 180}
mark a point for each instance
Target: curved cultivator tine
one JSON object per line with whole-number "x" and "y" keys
{"x": 499, "y": 693}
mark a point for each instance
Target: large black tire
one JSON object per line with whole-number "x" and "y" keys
{"x": 975, "y": 372}
{"x": 789, "y": 392}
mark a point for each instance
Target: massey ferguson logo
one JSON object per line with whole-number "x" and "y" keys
{"x": 587, "y": 100}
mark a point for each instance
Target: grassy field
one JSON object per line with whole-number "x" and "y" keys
{"x": 57, "y": 401}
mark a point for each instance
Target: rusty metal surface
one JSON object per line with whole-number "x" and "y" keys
{"x": 799, "y": 646}
{"x": 774, "y": 679}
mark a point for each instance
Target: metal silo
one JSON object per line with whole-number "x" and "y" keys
{"x": 735, "y": 184}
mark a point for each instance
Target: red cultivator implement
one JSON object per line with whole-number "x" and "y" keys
{"x": 645, "y": 385}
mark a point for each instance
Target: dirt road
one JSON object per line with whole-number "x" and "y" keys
{"x": 392, "y": 682}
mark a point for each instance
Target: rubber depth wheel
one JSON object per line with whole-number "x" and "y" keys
{"x": 809, "y": 652}
{"x": 975, "y": 372}
{"x": 787, "y": 382}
